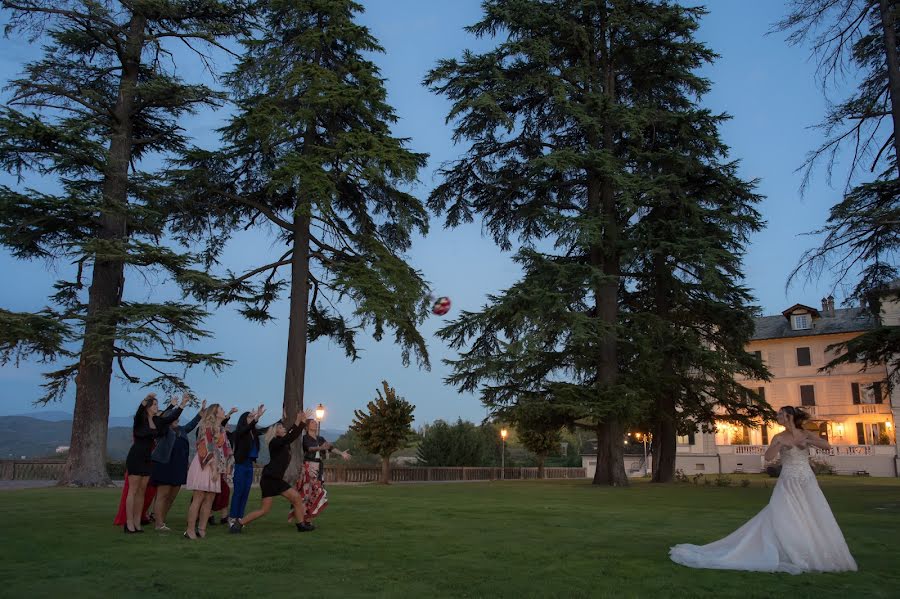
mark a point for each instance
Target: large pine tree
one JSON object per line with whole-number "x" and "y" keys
{"x": 690, "y": 316}
{"x": 103, "y": 98}
{"x": 309, "y": 154}
{"x": 860, "y": 244}
{"x": 583, "y": 132}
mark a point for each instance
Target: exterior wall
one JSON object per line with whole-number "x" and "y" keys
{"x": 834, "y": 405}
{"x": 890, "y": 316}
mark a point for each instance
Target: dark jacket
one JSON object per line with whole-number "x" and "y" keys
{"x": 246, "y": 436}
{"x": 163, "y": 451}
{"x": 280, "y": 452}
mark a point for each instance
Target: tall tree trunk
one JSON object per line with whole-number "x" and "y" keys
{"x": 295, "y": 369}
{"x": 665, "y": 435}
{"x": 888, "y": 19}
{"x": 610, "y": 454}
{"x": 541, "y": 459}
{"x": 605, "y": 255}
{"x": 665, "y": 439}
{"x": 386, "y": 470}
{"x": 86, "y": 463}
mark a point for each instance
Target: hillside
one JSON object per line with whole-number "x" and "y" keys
{"x": 39, "y": 438}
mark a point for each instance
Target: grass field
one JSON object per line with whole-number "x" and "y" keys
{"x": 515, "y": 539}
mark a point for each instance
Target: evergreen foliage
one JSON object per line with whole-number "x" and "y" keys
{"x": 386, "y": 426}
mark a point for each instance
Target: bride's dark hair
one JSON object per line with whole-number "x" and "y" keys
{"x": 797, "y": 414}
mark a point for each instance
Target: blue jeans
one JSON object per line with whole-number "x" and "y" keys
{"x": 243, "y": 479}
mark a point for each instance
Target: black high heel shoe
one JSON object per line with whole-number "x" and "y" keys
{"x": 126, "y": 531}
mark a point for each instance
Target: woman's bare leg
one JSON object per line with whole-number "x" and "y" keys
{"x": 133, "y": 484}
{"x": 297, "y": 501}
{"x": 137, "y": 501}
{"x": 205, "y": 509}
{"x": 262, "y": 511}
{"x": 193, "y": 511}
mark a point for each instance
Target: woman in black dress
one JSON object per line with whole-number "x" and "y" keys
{"x": 272, "y": 482}
{"x": 170, "y": 465}
{"x": 148, "y": 425}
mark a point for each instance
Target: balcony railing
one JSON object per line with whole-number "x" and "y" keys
{"x": 750, "y": 449}
{"x": 837, "y": 450}
{"x": 849, "y": 450}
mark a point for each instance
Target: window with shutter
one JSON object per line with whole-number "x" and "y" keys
{"x": 803, "y": 357}
{"x": 807, "y": 395}
{"x": 860, "y": 434}
{"x": 876, "y": 390}
{"x": 854, "y": 391}
{"x": 758, "y": 355}
{"x": 765, "y": 435}
{"x": 761, "y": 391}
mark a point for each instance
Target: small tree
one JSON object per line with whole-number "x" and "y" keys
{"x": 386, "y": 428}
{"x": 540, "y": 440}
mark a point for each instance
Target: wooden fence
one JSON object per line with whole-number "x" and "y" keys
{"x": 52, "y": 469}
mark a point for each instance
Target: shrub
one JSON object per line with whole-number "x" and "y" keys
{"x": 681, "y": 477}
{"x": 821, "y": 467}
{"x": 723, "y": 480}
{"x": 116, "y": 470}
{"x": 745, "y": 482}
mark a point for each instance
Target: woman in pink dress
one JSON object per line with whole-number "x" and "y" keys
{"x": 212, "y": 461}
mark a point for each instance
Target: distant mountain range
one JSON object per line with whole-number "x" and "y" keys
{"x": 60, "y": 416}
{"x": 39, "y": 434}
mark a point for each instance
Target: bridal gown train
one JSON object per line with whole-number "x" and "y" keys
{"x": 795, "y": 533}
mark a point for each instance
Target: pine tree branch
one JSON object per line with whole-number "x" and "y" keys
{"x": 284, "y": 261}
{"x": 264, "y": 210}
{"x": 82, "y": 19}
{"x": 33, "y": 89}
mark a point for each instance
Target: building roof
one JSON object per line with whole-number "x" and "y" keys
{"x": 845, "y": 320}
{"x": 787, "y": 313}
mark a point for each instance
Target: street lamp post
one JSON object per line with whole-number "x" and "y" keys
{"x": 643, "y": 437}
{"x": 320, "y": 413}
{"x": 503, "y": 433}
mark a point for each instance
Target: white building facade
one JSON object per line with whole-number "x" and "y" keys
{"x": 849, "y": 405}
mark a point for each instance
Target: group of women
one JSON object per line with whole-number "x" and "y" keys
{"x": 159, "y": 464}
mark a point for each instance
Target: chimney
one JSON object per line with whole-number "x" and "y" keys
{"x": 828, "y": 304}
{"x": 825, "y": 306}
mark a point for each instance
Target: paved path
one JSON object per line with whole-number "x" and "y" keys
{"x": 11, "y": 485}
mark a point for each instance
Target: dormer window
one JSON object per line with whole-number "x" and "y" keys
{"x": 800, "y": 322}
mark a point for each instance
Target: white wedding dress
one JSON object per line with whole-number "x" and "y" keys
{"x": 795, "y": 533}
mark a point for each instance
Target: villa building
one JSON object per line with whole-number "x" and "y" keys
{"x": 849, "y": 405}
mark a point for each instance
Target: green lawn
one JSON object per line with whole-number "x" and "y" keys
{"x": 515, "y": 539}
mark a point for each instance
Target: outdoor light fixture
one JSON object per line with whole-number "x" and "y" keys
{"x": 320, "y": 412}
{"x": 503, "y": 433}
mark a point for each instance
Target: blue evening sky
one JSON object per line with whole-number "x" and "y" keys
{"x": 768, "y": 87}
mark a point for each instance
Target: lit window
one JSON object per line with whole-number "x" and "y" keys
{"x": 801, "y": 322}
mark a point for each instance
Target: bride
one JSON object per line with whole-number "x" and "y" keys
{"x": 796, "y": 532}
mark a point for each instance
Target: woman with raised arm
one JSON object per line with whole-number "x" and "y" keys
{"x": 170, "y": 466}
{"x": 148, "y": 426}
{"x": 246, "y": 451}
{"x": 796, "y": 532}
{"x": 272, "y": 482}
{"x": 311, "y": 483}
{"x": 212, "y": 461}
